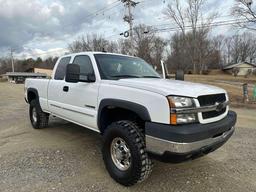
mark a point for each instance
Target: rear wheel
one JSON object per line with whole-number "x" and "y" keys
{"x": 38, "y": 118}
{"x": 124, "y": 153}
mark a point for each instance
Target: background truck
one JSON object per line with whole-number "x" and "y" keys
{"x": 138, "y": 113}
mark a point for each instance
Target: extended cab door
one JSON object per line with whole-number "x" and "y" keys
{"x": 56, "y": 95}
{"x": 79, "y": 100}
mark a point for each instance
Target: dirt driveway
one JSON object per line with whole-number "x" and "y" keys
{"x": 67, "y": 157}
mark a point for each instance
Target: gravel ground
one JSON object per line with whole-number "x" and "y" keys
{"x": 67, "y": 157}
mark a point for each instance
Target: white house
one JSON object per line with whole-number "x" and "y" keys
{"x": 242, "y": 68}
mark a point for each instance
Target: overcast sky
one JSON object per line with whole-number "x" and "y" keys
{"x": 42, "y": 26}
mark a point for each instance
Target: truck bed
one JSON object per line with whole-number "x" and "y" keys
{"x": 41, "y": 85}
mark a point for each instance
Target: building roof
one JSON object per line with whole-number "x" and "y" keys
{"x": 237, "y": 65}
{"x": 23, "y": 74}
{"x": 44, "y": 68}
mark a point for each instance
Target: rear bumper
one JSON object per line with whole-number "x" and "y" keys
{"x": 188, "y": 140}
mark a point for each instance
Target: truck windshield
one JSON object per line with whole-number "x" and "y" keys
{"x": 114, "y": 67}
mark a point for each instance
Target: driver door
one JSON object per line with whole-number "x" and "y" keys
{"x": 81, "y": 98}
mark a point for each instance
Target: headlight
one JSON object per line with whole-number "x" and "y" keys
{"x": 176, "y": 102}
{"x": 180, "y": 102}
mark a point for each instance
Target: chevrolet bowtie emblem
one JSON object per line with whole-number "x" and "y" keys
{"x": 219, "y": 106}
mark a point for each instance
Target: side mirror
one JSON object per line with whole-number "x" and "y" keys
{"x": 72, "y": 73}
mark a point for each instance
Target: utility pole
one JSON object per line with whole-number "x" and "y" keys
{"x": 128, "y": 17}
{"x": 12, "y": 60}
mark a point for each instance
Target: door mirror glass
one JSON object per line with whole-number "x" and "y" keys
{"x": 72, "y": 73}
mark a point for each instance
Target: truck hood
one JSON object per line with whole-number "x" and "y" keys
{"x": 170, "y": 87}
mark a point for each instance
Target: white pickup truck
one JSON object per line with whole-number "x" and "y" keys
{"x": 138, "y": 113}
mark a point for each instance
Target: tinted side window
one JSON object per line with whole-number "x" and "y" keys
{"x": 85, "y": 66}
{"x": 61, "y": 69}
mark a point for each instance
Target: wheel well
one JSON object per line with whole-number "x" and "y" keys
{"x": 111, "y": 114}
{"x": 31, "y": 96}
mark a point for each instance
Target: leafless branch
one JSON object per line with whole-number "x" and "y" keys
{"x": 244, "y": 10}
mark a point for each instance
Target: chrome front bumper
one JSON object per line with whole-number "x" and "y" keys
{"x": 188, "y": 140}
{"x": 160, "y": 146}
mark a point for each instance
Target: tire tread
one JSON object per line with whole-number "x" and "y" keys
{"x": 138, "y": 139}
{"x": 43, "y": 118}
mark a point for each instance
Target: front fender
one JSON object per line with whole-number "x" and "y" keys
{"x": 140, "y": 110}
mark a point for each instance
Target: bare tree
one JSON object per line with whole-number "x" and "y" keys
{"x": 251, "y": 48}
{"x": 22, "y": 65}
{"x": 143, "y": 42}
{"x": 5, "y": 65}
{"x": 244, "y": 9}
{"x": 219, "y": 45}
{"x": 124, "y": 46}
{"x": 188, "y": 16}
{"x": 147, "y": 45}
{"x": 177, "y": 13}
{"x": 159, "y": 46}
{"x": 177, "y": 58}
{"x": 207, "y": 55}
{"x": 236, "y": 44}
{"x": 240, "y": 48}
{"x": 92, "y": 43}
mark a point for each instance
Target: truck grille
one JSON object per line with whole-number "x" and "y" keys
{"x": 206, "y": 100}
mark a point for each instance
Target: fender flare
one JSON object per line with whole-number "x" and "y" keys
{"x": 33, "y": 90}
{"x": 140, "y": 110}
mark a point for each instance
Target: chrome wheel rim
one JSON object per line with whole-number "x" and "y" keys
{"x": 34, "y": 115}
{"x": 120, "y": 154}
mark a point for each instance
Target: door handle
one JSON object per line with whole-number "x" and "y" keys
{"x": 65, "y": 88}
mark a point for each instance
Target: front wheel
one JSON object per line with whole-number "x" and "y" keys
{"x": 124, "y": 153}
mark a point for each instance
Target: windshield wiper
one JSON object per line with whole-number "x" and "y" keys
{"x": 147, "y": 76}
{"x": 125, "y": 76}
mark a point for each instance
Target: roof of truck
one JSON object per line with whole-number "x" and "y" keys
{"x": 95, "y": 52}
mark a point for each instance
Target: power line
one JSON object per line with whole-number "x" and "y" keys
{"x": 98, "y": 13}
{"x": 189, "y": 27}
{"x": 168, "y": 29}
{"x": 158, "y": 28}
{"x": 217, "y": 24}
{"x": 91, "y": 15}
{"x": 174, "y": 23}
{"x": 104, "y": 9}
